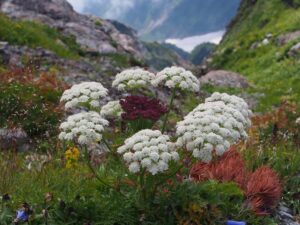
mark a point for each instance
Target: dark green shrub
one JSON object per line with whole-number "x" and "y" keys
{"x": 29, "y": 107}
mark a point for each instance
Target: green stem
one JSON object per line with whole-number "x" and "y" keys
{"x": 169, "y": 109}
{"x": 165, "y": 179}
{"x": 169, "y": 176}
{"x": 142, "y": 185}
{"x": 93, "y": 170}
{"x": 107, "y": 145}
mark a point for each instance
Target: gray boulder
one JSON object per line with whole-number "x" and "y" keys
{"x": 222, "y": 78}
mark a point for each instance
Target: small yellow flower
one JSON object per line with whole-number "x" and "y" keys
{"x": 72, "y": 157}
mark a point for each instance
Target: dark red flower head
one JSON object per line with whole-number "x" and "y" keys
{"x": 142, "y": 107}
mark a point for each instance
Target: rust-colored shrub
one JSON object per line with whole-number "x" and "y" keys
{"x": 275, "y": 125}
{"x": 263, "y": 190}
{"x": 231, "y": 167}
{"x": 200, "y": 172}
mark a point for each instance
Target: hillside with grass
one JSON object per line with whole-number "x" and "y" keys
{"x": 259, "y": 45}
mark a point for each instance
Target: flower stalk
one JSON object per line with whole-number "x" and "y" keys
{"x": 169, "y": 109}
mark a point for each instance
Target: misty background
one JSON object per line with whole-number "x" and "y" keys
{"x": 184, "y": 23}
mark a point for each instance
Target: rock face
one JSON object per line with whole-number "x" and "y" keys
{"x": 92, "y": 33}
{"x": 222, "y": 78}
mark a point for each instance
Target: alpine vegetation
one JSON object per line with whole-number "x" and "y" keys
{"x": 112, "y": 109}
{"x": 150, "y": 150}
{"x": 84, "y": 94}
{"x": 144, "y": 157}
{"x": 85, "y": 128}
{"x": 132, "y": 79}
{"x": 177, "y": 77}
{"x": 212, "y": 127}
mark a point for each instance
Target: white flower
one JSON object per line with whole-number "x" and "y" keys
{"x": 83, "y": 140}
{"x": 85, "y": 128}
{"x": 178, "y": 77}
{"x": 150, "y": 150}
{"x": 233, "y": 102}
{"x": 86, "y": 92}
{"x": 134, "y": 167}
{"x": 298, "y": 121}
{"x": 213, "y": 126}
{"x": 132, "y": 79}
{"x": 112, "y": 109}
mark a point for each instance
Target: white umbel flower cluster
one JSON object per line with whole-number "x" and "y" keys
{"x": 132, "y": 79}
{"x": 85, "y": 128}
{"x": 148, "y": 149}
{"x": 298, "y": 121}
{"x": 214, "y": 126}
{"x": 111, "y": 109}
{"x": 84, "y": 93}
{"x": 177, "y": 77}
{"x": 233, "y": 102}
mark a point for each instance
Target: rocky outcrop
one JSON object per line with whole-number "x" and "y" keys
{"x": 222, "y": 78}
{"x": 285, "y": 38}
{"x": 284, "y": 215}
{"x": 72, "y": 71}
{"x": 295, "y": 50}
{"x": 92, "y": 33}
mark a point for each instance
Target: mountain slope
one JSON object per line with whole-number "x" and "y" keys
{"x": 261, "y": 44}
{"x": 91, "y": 33}
{"x": 162, "y": 19}
{"x": 50, "y": 36}
{"x": 201, "y": 52}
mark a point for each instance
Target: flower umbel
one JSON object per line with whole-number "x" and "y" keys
{"x": 133, "y": 79}
{"x": 85, "y": 128}
{"x": 84, "y": 94}
{"x": 112, "y": 109}
{"x": 177, "y": 77}
{"x": 213, "y": 127}
{"x": 150, "y": 150}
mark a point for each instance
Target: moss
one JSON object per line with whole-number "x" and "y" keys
{"x": 34, "y": 34}
{"x": 98, "y": 23}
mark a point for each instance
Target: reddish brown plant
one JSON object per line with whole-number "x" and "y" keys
{"x": 263, "y": 190}
{"x": 200, "y": 172}
{"x": 231, "y": 167}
